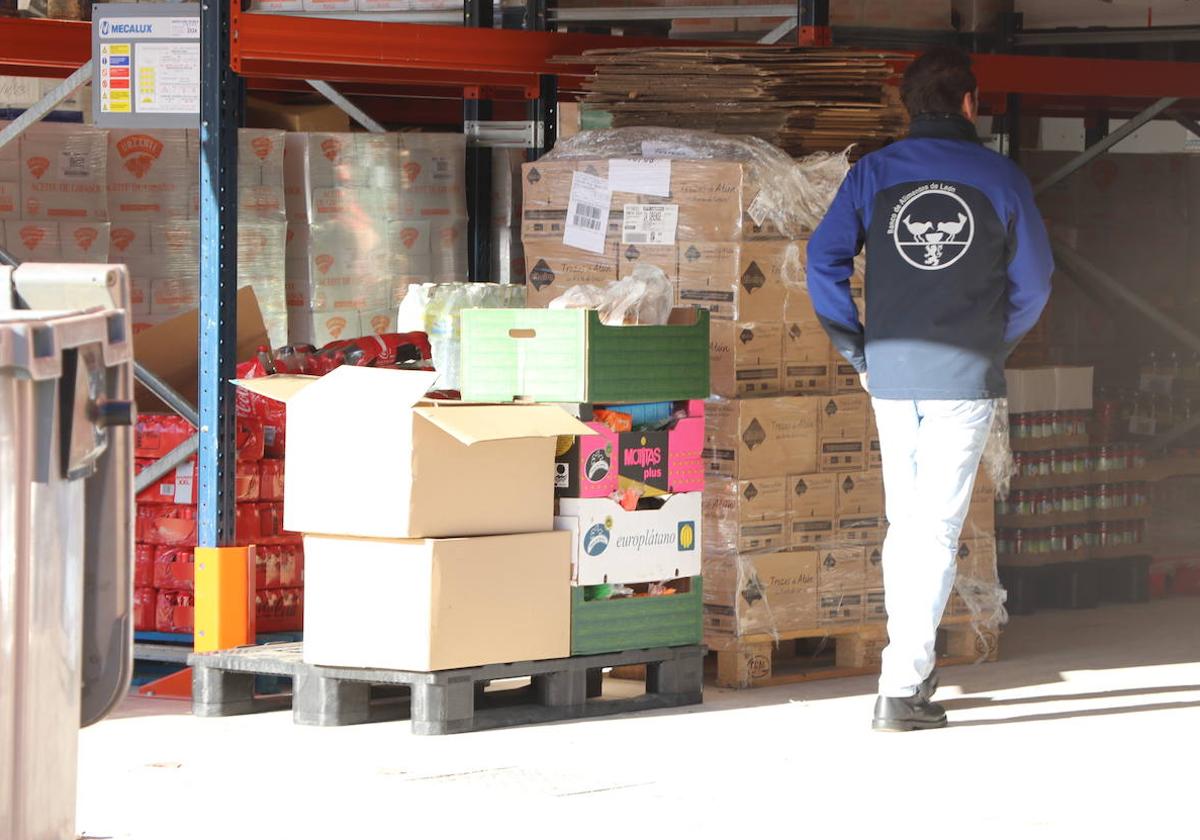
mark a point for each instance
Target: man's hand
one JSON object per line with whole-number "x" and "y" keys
{"x": 862, "y": 377}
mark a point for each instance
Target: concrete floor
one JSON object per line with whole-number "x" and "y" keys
{"x": 1088, "y": 727}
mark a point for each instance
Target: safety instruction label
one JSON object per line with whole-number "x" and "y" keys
{"x": 168, "y": 78}
{"x": 116, "y": 82}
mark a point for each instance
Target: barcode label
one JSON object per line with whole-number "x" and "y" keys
{"x": 587, "y": 216}
{"x": 587, "y": 212}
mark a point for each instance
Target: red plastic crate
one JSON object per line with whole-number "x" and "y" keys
{"x": 157, "y": 434}
{"x": 145, "y": 601}
{"x": 143, "y": 564}
{"x": 175, "y": 612}
{"x": 175, "y": 568}
{"x": 279, "y": 610}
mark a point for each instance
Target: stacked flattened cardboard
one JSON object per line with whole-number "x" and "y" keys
{"x": 802, "y": 101}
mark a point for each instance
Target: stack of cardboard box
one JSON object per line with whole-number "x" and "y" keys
{"x": 368, "y": 215}
{"x": 428, "y": 539}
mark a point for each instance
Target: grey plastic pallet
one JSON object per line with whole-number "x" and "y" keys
{"x": 441, "y": 702}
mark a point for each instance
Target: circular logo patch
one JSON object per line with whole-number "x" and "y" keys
{"x": 934, "y": 228}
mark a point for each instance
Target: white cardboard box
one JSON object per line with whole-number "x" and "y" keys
{"x": 87, "y": 242}
{"x": 150, "y": 174}
{"x": 418, "y": 470}
{"x": 1049, "y": 389}
{"x": 63, "y": 172}
{"x": 428, "y": 605}
{"x": 612, "y": 545}
{"x": 33, "y": 240}
{"x": 318, "y": 327}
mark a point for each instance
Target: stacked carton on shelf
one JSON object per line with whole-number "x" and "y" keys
{"x": 369, "y": 214}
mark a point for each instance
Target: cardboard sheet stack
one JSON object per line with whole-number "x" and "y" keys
{"x": 369, "y": 214}
{"x": 802, "y": 101}
{"x": 794, "y": 513}
{"x": 78, "y": 194}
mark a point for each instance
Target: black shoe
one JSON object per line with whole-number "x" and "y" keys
{"x": 926, "y": 689}
{"x": 904, "y": 714}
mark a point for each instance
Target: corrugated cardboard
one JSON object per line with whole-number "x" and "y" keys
{"x": 874, "y": 566}
{"x": 840, "y": 607}
{"x": 612, "y": 545}
{"x": 408, "y": 470}
{"x": 758, "y": 438}
{"x": 842, "y": 570}
{"x": 812, "y": 495}
{"x": 773, "y": 592}
{"x": 1049, "y": 389}
{"x": 740, "y": 281}
{"x": 744, "y": 515}
{"x": 744, "y": 358}
{"x": 169, "y": 350}
{"x": 289, "y": 116}
{"x": 860, "y": 493}
{"x": 664, "y": 257}
{"x": 552, "y": 268}
{"x": 427, "y": 605}
{"x": 843, "y": 425}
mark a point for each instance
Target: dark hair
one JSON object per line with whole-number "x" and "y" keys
{"x": 937, "y": 81}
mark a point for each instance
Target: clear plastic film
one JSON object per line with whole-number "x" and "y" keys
{"x": 765, "y": 192}
{"x": 434, "y": 308}
{"x": 794, "y": 523}
{"x": 723, "y": 216}
{"x": 369, "y": 215}
{"x": 645, "y": 296}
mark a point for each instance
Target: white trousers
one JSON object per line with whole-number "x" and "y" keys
{"x": 931, "y": 451}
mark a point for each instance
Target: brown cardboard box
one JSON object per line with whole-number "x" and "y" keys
{"x": 444, "y": 470}
{"x": 845, "y": 378}
{"x": 840, "y": 608}
{"x": 860, "y": 493}
{"x": 842, "y": 570}
{"x": 745, "y": 281}
{"x": 762, "y": 593}
{"x": 744, "y": 358}
{"x": 761, "y": 437}
{"x": 812, "y": 503}
{"x": 262, "y": 113}
{"x": 434, "y": 604}
{"x": 805, "y": 341}
{"x": 553, "y": 268}
{"x": 874, "y": 608}
{"x": 806, "y": 378}
{"x": 812, "y": 495}
{"x": 977, "y": 558}
{"x": 873, "y": 555}
{"x": 842, "y": 433}
{"x": 810, "y": 532}
{"x": 660, "y": 256}
{"x": 743, "y": 515}
{"x": 981, "y": 517}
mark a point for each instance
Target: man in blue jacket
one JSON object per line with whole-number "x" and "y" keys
{"x": 958, "y": 270}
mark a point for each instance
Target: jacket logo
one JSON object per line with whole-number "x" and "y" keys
{"x": 932, "y": 227}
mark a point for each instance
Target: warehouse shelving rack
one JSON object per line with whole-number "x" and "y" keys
{"x": 478, "y": 72}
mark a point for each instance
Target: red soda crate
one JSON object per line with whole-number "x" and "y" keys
{"x": 157, "y": 434}
{"x": 270, "y": 473}
{"x": 173, "y": 525}
{"x": 267, "y": 564}
{"x": 291, "y": 566}
{"x": 175, "y": 612}
{"x": 251, "y": 442}
{"x": 279, "y": 610}
{"x": 180, "y": 486}
{"x": 248, "y": 522}
{"x": 175, "y": 568}
{"x": 145, "y": 600}
{"x": 143, "y": 565}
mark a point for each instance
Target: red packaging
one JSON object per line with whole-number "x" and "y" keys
{"x": 180, "y": 486}
{"x": 157, "y": 434}
{"x": 291, "y": 566}
{"x": 143, "y": 565}
{"x": 270, "y": 520}
{"x": 279, "y": 610}
{"x": 145, "y": 600}
{"x": 251, "y": 442}
{"x": 175, "y": 612}
{"x": 1186, "y": 580}
{"x": 270, "y": 414}
{"x": 173, "y": 525}
{"x": 267, "y": 564}
{"x": 175, "y": 568}
{"x": 248, "y": 523}
{"x": 270, "y": 480}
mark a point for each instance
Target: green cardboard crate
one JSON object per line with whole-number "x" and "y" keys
{"x": 636, "y": 623}
{"x": 568, "y": 355}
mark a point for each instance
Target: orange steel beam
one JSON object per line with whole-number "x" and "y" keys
{"x": 40, "y": 47}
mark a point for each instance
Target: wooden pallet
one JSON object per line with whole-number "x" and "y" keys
{"x": 833, "y": 652}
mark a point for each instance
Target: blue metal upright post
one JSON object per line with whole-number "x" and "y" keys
{"x": 220, "y": 112}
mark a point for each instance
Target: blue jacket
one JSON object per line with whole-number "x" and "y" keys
{"x": 958, "y": 264}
